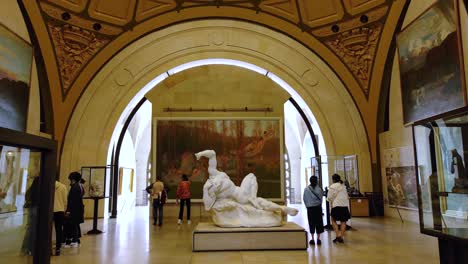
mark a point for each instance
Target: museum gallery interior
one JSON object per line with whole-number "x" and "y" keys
{"x": 115, "y": 115}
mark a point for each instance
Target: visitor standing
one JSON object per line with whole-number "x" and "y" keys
{"x": 183, "y": 194}
{"x": 313, "y": 196}
{"x": 31, "y": 209}
{"x": 158, "y": 198}
{"x": 339, "y": 201}
{"x": 75, "y": 208}
{"x": 60, "y": 204}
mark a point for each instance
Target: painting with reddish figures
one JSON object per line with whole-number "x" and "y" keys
{"x": 430, "y": 64}
{"x": 242, "y": 147}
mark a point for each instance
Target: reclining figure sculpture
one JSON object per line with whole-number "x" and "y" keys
{"x": 238, "y": 206}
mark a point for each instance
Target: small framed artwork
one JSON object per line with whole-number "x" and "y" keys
{"x": 431, "y": 63}
{"x": 15, "y": 75}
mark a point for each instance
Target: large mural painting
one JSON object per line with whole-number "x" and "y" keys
{"x": 242, "y": 147}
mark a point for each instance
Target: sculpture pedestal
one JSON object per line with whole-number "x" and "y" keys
{"x": 208, "y": 237}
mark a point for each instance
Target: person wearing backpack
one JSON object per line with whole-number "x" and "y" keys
{"x": 313, "y": 196}
{"x": 159, "y": 198}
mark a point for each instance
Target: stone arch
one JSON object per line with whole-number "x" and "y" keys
{"x": 103, "y": 104}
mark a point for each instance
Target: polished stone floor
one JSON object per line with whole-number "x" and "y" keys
{"x": 132, "y": 239}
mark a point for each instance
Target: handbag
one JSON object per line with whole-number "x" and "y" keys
{"x": 163, "y": 197}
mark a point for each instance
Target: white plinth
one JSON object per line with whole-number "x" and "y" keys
{"x": 208, "y": 237}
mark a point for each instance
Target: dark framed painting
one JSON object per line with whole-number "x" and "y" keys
{"x": 431, "y": 63}
{"x": 242, "y": 147}
{"x": 15, "y": 75}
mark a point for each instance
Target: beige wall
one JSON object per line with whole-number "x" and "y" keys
{"x": 398, "y": 135}
{"x": 218, "y": 86}
{"x": 11, "y": 17}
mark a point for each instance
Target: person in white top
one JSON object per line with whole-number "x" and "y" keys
{"x": 339, "y": 201}
{"x": 60, "y": 205}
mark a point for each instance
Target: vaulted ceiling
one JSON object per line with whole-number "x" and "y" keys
{"x": 77, "y": 37}
{"x": 350, "y": 28}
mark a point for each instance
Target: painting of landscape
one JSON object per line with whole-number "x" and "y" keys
{"x": 242, "y": 147}
{"x": 430, "y": 64}
{"x": 15, "y": 73}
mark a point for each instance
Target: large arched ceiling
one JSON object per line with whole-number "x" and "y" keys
{"x": 77, "y": 37}
{"x": 90, "y": 25}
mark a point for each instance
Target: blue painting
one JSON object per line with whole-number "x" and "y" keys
{"x": 15, "y": 75}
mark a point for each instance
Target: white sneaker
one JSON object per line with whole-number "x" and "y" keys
{"x": 179, "y": 221}
{"x": 189, "y": 222}
{"x": 74, "y": 244}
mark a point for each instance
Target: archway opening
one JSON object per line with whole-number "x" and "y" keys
{"x": 182, "y": 82}
{"x": 116, "y": 89}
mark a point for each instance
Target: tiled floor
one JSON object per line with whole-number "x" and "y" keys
{"x": 132, "y": 239}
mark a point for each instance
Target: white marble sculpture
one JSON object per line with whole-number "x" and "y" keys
{"x": 238, "y": 206}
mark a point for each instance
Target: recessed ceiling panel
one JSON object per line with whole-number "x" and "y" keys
{"x": 282, "y": 8}
{"x": 118, "y": 12}
{"x": 149, "y": 8}
{"x": 354, "y": 7}
{"x": 317, "y": 13}
{"x": 73, "y": 5}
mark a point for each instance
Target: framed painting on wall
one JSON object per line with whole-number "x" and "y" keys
{"x": 431, "y": 63}
{"x": 15, "y": 74}
{"x": 242, "y": 146}
{"x": 400, "y": 178}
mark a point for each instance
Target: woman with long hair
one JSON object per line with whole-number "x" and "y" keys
{"x": 339, "y": 201}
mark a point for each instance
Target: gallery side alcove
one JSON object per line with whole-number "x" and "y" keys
{"x": 116, "y": 89}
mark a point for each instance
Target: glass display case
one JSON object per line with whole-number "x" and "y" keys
{"x": 345, "y": 166}
{"x": 20, "y": 171}
{"x": 96, "y": 178}
{"x": 441, "y": 155}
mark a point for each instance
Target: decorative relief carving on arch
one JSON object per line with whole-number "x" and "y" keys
{"x": 356, "y": 48}
{"x": 314, "y": 17}
{"x": 74, "y": 48}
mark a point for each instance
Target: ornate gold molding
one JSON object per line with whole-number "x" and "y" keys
{"x": 74, "y": 47}
{"x": 356, "y": 48}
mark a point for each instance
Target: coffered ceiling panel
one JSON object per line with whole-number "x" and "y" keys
{"x": 353, "y": 40}
{"x": 149, "y": 8}
{"x": 317, "y": 13}
{"x": 282, "y": 8}
{"x": 242, "y": 3}
{"x": 56, "y": 14}
{"x": 354, "y": 7}
{"x": 118, "y": 12}
{"x": 73, "y": 5}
